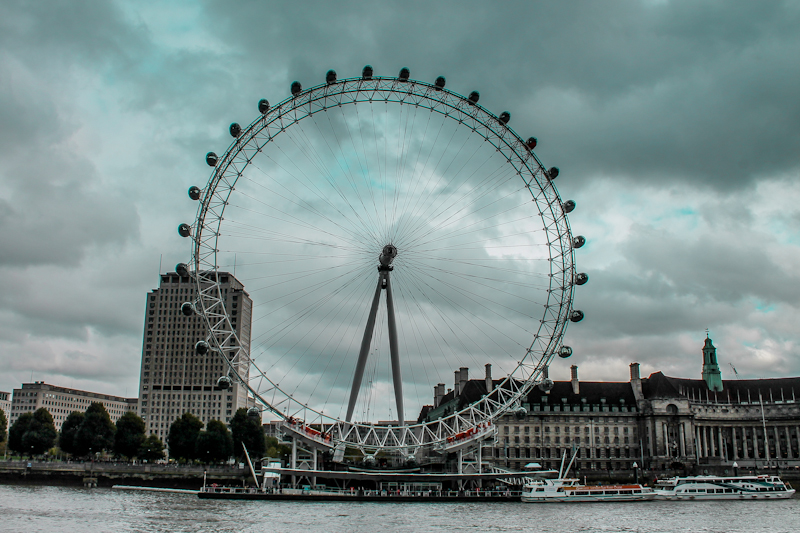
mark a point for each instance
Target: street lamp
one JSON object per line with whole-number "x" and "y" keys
{"x": 636, "y": 471}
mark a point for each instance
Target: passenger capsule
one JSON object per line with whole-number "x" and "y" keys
{"x": 187, "y": 309}
{"x": 184, "y": 230}
{"x": 330, "y": 77}
{"x": 578, "y": 241}
{"x": 201, "y": 347}
{"x": 211, "y": 159}
{"x": 520, "y": 413}
{"x": 546, "y": 385}
{"x": 531, "y": 143}
{"x": 254, "y": 412}
{"x": 439, "y": 83}
{"x": 576, "y": 316}
{"x": 194, "y": 192}
{"x": 552, "y": 173}
{"x": 366, "y": 72}
{"x": 235, "y": 130}
{"x": 369, "y": 459}
{"x": 296, "y": 88}
{"x": 404, "y": 74}
{"x": 568, "y": 206}
{"x": 581, "y": 278}
{"x": 224, "y": 383}
{"x": 474, "y": 96}
{"x": 182, "y": 269}
{"x": 565, "y": 352}
{"x": 504, "y": 117}
{"x": 263, "y": 106}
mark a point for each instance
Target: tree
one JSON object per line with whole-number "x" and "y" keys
{"x": 17, "y": 430}
{"x": 247, "y": 430}
{"x": 33, "y": 433}
{"x": 182, "y": 436}
{"x": 96, "y": 432}
{"x": 3, "y": 426}
{"x": 42, "y": 434}
{"x": 130, "y": 435}
{"x": 69, "y": 429}
{"x": 152, "y": 449}
{"x": 215, "y": 443}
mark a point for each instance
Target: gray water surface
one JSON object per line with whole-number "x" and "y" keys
{"x": 66, "y": 509}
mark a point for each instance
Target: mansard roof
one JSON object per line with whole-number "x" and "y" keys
{"x": 733, "y": 390}
{"x": 591, "y": 391}
{"x": 660, "y": 386}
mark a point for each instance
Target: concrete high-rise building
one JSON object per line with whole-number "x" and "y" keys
{"x": 61, "y": 401}
{"x": 174, "y": 379}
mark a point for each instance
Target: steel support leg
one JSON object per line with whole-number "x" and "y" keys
{"x": 393, "y": 351}
{"x": 362, "y": 355}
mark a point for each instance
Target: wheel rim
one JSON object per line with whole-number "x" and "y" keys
{"x": 277, "y": 139}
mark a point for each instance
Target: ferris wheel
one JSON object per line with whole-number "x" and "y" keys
{"x": 391, "y": 234}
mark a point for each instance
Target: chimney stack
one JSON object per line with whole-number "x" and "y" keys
{"x": 636, "y": 382}
{"x": 576, "y": 389}
{"x": 457, "y": 379}
{"x": 438, "y": 394}
{"x": 635, "y": 371}
{"x": 464, "y": 377}
{"x": 489, "y": 382}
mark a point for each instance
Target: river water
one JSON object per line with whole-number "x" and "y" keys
{"x": 68, "y": 509}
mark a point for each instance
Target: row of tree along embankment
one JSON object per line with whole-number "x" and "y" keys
{"x": 108, "y": 474}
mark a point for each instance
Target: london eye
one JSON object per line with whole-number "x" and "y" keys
{"x": 389, "y": 231}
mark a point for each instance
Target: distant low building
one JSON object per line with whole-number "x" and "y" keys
{"x": 61, "y": 401}
{"x": 5, "y": 404}
{"x": 657, "y": 422}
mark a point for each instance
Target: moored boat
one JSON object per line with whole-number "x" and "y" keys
{"x": 564, "y": 489}
{"x": 570, "y": 490}
{"x": 763, "y": 487}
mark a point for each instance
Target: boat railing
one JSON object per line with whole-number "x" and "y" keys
{"x": 474, "y": 493}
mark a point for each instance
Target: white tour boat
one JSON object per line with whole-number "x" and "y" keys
{"x": 569, "y": 490}
{"x": 564, "y": 489}
{"x": 763, "y": 487}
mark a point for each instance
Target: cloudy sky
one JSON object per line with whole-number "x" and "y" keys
{"x": 676, "y": 127}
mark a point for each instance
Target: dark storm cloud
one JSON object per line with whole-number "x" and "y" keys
{"x": 702, "y": 92}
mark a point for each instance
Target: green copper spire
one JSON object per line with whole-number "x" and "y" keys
{"x": 711, "y": 374}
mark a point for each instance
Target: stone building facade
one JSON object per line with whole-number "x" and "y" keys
{"x": 658, "y": 422}
{"x": 61, "y": 401}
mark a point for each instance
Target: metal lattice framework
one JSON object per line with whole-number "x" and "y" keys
{"x": 475, "y": 421}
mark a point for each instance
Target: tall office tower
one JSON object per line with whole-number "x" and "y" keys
{"x": 174, "y": 379}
